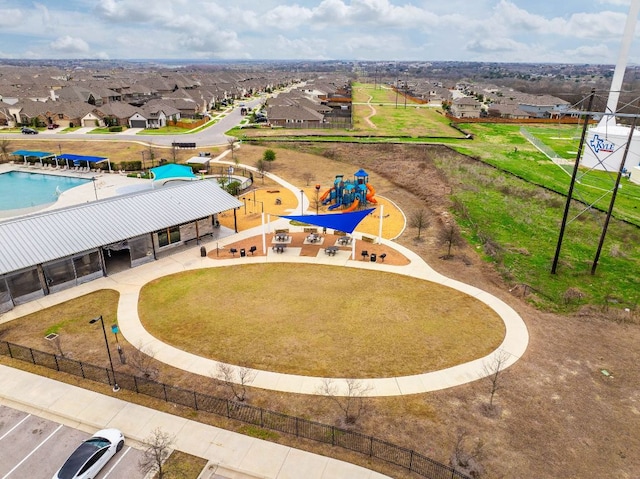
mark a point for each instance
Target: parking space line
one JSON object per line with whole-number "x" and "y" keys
{"x": 32, "y": 451}
{"x": 117, "y": 462}
{"x": 9, "y": 431}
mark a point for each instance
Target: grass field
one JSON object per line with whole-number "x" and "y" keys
{"x": 320, "y": 321}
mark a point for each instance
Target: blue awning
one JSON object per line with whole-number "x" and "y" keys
{"x": 78, "y": 158}
{"x": 346, "y": 222}
{"x": 33, "y": 154}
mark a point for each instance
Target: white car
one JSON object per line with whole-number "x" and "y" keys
{"x": 92, "y": 455}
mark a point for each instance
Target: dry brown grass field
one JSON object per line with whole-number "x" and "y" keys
{"x": 558, "y": 415}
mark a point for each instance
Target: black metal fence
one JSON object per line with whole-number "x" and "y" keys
{"x": 264, "y": 418}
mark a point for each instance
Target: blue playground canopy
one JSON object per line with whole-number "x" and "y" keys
{"x": 172, "y": 171}
{"x": 346, "y": 222}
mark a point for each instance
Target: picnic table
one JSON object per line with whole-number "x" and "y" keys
{"x": 313, "y": 238}
{"x": 279, "y": 247}
{"x": 331, "y": 250}
{"x": 345, "y": 240}
{"x": 281, "y": 236}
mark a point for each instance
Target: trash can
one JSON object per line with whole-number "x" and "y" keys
{"x": 243, "y": 253}
{"x": 203, "y": 251}
{"x": 373, "y": 257}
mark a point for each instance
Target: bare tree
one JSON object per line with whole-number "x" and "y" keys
{"x": 262, "y": 167}
{"x": 232, "y": 140}
{"x": 351, "y": 401}
{"x": 450, "y": 236}
{"x": 419, "y": 220}
{"x": 307, "y": 177}
{"x": 5, "y": 149}
{"x": 151, "y": 153}
{"x": 465, "y": 460}
{"x": 157, "y": 450}
{"x": 236, "y": 379}
{"x": 141, "y": 358}
{"x": 493, "y": 373}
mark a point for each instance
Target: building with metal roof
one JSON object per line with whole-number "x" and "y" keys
{"x": 54, "y": 250}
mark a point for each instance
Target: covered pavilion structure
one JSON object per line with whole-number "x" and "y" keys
{"x": 77, "y": 160}
{"x": 40, "y": 155}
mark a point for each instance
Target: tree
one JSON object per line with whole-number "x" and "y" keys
{"x": 307, "y": 177}
{"x": 5, "y": 149}
{"x": 232, "y": 145}
{"x": 493, "y": 373}
{"x": 419, "y": 220}
{"x": 465, "y": 460}
{"x": 157, "y": 450}
{"x": 269, "y": 156}
{"x": 141, "y": 359}
{"x": 151, "y": 153}
{"x": 236, "y": 379}
{"x": 262, "y": 167}
{"x": 351, "y": 401}
{"x": 450, "y": 236}
{"x": 174, "y": 153}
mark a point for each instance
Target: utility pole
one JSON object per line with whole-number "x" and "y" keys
{"x": 572, "y": 183}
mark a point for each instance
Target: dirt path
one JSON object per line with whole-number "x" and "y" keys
{"x": 373, "y": 112}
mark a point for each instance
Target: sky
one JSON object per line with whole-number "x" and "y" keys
{"x": 549, "y": 31}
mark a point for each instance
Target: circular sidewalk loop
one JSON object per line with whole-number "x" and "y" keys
{"x": 512, "y": 348}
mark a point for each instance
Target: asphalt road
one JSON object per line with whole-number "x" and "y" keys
{"x": 211, "y": 136}
{"x": 33, "y": 447}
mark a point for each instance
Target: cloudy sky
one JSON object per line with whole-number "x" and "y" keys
{"x": 565, "y": 31}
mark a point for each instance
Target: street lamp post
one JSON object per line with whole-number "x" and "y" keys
{"x": 302, "y": 202}
{"x": 244, "y": 199}
{"x": 116, "y": 388}
{"x": 317, "y": 200}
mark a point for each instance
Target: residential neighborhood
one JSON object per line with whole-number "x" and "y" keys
{"x": 91, "y": 97}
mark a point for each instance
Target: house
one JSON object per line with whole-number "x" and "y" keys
{"x": 291, "y": 116}
{"x": 507, "y": 110}
{"x": 153, "y": 116}
{"x": 466, "y": 107}
{"x": 114, "y": 114}
{"x": 68, "y": 114}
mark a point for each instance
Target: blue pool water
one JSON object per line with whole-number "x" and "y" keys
{"x": 20, "y": 189}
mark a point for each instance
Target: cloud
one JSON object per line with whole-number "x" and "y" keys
{"x": 68, "y": 44}
{"x": 9, "y": 17}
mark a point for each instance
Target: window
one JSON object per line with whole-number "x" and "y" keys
{"x": 95, "y": 458}
{"x": 169, "y": 236}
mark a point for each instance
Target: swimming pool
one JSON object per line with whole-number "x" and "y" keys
{"x": 20, "y": 190}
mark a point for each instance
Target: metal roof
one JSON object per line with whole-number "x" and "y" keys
{"x": 43, "y": 237}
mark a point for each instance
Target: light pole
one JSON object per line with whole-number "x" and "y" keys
{"x": 302, "y": 202}
{"x": 116, "y": 388}
{"x": 244, "y": 199}
{"x": 95, "y": 190}
{"x": 317, "y": 200}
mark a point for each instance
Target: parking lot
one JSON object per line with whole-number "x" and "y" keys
{"x": 34, "y": 447}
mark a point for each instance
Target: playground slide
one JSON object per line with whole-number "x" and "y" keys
{"x": 333, "y": 207}
{"x": 371, "y": 194}
{"x": 325, "y": 194}
{"x": 353, "y": 206}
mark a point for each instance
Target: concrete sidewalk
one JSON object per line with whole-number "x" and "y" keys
{"x": 230, "y": 455}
